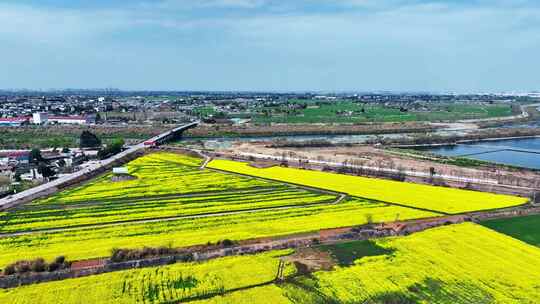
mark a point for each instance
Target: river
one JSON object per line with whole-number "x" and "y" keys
{"x": 524, "y": 152}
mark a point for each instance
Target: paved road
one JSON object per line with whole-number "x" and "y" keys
{"x": 55, "y": 184}
{"x": 7, "y": 201}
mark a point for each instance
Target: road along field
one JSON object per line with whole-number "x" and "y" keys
{"x": 463, "y": 263}
{"x": 173, "y": 202}
{"x": 437, "y": 199}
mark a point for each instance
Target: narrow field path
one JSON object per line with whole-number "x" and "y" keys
{"x": 83, "y": 203}
{"x": 334, "y": 192}
{"x": 207, "y": 159}
{"x": 171, "y": 218}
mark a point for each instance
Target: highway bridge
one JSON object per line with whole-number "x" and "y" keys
{"x": 170, "y": 135}
{"x": 93, "y": 169}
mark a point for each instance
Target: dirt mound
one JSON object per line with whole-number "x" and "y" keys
{"x": 309, "y": 260}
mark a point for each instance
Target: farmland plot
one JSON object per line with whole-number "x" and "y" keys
{"x": 439, "y": 199}
{"x": 168, "y": 185}
{"x": 525, "y": 228}
{"x": 49, "y": 216}
{"x": 98, "y": 241}
{"x": 160, "y": 284}
{"x": 458, "y": 264}
{"x": 463, "y": 263}
{"x": 173, "y": 202}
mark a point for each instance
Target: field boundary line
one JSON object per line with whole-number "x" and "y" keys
{"x": 310, "y": 188}
{"x": 136, "y": 199}
{"x": 342, "y": 193}
{"x": 165, "y": 219}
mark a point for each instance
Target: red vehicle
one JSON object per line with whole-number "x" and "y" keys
{"x": 150, "y": 143}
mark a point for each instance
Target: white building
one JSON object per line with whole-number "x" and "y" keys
{"x": 120, "y": 170}
{"x": 40, "y": 118}
{"x": 73, "y": 120}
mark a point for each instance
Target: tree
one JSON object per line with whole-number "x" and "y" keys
{"x": 89, "y": 140}
{"x": 536, "y": 198}
{"x": 45, "y": 170}
{"x": 35, "y": 156}
{"x": 114, "y": 148}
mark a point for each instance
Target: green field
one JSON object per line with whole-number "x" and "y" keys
{"x": 464, "y": 263}
{"x": 458, "y": 264}
{"x": 346, "y": 253}
{"x": 351, "y": 112}
{"x": 525, "y": 228}
{"x": 169, "y": 204}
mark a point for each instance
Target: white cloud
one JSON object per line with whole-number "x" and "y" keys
{"x": 26, "y": 24}
{"x": 202, "y": 4}
{"x": 396, "y": 46}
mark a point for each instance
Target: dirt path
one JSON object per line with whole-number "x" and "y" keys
{"x": 166, "y": 219}
{"x": 150, "y": 198}
{"x": 207, "y": 159}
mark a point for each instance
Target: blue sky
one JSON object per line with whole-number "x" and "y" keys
{"x": 361, "y": 45}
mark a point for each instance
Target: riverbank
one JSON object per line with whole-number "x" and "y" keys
{"x": 442, "y": 139}
{"x": 276, "y": 130}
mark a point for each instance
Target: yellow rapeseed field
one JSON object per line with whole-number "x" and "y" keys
{"x": 440, "y": 199}
{"x": 167, "y": 284}
{"x": 463, "y": 263}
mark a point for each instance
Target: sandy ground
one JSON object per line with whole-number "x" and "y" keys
{"x": 376, "y": 157}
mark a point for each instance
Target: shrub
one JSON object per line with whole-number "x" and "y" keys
{"x": 227, "y": 243}
{"x": 53, "y": 267}
{"x": 38, "y": 265}
{"x": 120, "y": 255}
{"x": 9, "y": 270}
{"x": 60, "y": 259}
{"x": 22, "y": 266}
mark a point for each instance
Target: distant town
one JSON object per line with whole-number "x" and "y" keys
{"x": 46, "y": 135}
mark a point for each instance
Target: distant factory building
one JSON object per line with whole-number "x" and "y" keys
{"x": 40, "y": 118}
{"x": 22, "y": 157}
{"x": 14, "y": 121}
{"x": 73, "y": 120}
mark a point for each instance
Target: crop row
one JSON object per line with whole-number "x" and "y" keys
{"x": 98, "y": 241}
{"x": 161, "y": 177}
{"x": 464, "y": 263}
{"x": 156, "y": 285}
{"x": 24, "y": 220}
